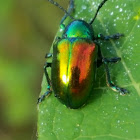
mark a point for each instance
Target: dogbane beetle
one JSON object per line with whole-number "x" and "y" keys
{"x": 76, "y": 54}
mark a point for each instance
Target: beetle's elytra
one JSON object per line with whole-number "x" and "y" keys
{"x": 76, "y": 55}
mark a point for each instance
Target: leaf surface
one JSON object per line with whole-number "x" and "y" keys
{"x": 107, "y": 115}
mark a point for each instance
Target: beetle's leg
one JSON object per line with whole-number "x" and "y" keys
{"x": 100, "y": 57}
{"x": 101, "y": 60}
{"x": 115, "y": 36}
{"x": 122, "y": 91}
{"x": 70, "y": 9}
{"x": 40, "y": 99}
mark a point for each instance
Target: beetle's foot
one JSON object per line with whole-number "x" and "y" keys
{"x": 48, "y": 55}
{"x": 112, "y": 60}
{"x": 115, "y": 36}
{"x": 123, "y": 91}
{"x": 40, "y": 99}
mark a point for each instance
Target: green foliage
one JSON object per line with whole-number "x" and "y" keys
{"x": 108, "y": 115}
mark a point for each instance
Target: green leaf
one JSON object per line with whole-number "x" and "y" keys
{"x": 107, "y": 115}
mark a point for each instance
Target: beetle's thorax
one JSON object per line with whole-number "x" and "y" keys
{"x": 79, "y": 28}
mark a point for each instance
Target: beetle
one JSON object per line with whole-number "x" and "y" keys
{"x": 76, "y": 55}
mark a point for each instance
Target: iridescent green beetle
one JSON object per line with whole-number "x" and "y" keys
{"x": 75, "y": 57}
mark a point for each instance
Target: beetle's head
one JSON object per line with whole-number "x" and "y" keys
{"x": 79, "y": 28}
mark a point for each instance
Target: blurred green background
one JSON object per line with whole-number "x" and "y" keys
{"x": 27, "y": 29}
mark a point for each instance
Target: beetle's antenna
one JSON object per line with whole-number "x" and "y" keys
{"x": 56, "y": 4}
{"x": 100, "y": 6}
